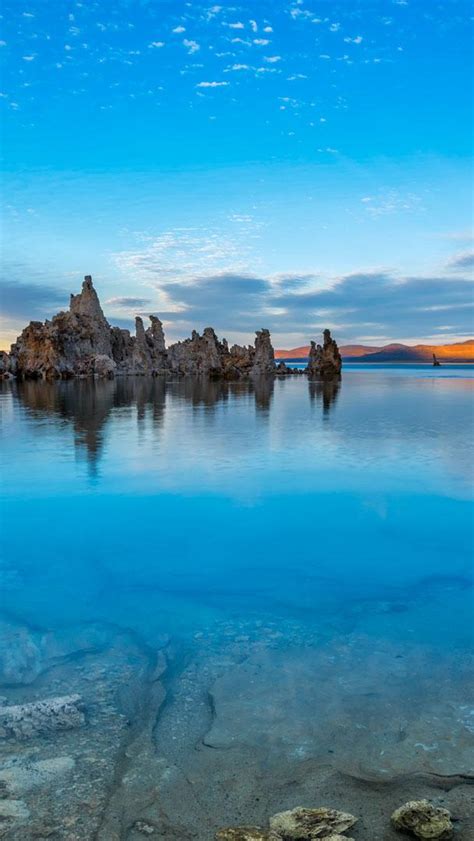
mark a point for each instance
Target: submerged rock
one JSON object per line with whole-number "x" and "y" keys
{"x": 337, "y": 837}
{"x": 20, "y": 777}
{"x": 423, "y": 820}
{"x": 25, "y": 721}
{"x": 246, "y": 833}
{"x": 302, "y": 824}
{"x": 324, "y": 362}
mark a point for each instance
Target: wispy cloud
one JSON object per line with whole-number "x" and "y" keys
{"x": 212, "y": 84}
{"x": 462, "y": 261}
{"x": 128, "y": 303}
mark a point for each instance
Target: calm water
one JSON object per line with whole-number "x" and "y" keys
{"x": 163, "y": 506}
{"x": 270, "y": 583}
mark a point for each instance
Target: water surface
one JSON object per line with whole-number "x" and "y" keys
{"x": 283, "y": 534}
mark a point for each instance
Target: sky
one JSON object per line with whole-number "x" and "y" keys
{"x": 293, "y": 164}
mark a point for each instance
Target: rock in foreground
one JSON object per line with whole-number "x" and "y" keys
{"x": 302, "y": 824}
{"x": 423, "y": 820}
{"x": 247, "y": 833}
{"x": 25, "y": 721}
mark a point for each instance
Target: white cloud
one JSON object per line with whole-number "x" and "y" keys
{"x": 238, "y": 25}
{"x": 28, "y": 57}
{"x": 357, "y": 40}
{"x": 272, "y": 59}
{"x": 237, "y": 67}
{"x": 262, "y": 42}
{"x": 212, "y": 84}
{"x": 179, "y": 29}
{"x": 268, "y": 28}
{"x": 192, "y": 46}
{"x": 253, "y": 24}
{"x": 157, "y": 44}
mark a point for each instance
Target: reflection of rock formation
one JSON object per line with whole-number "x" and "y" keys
{"x": 325, "y": 390}
{"x": 81, "y": 343}
{"x": 263, "y": 390}
{"x": 88, "y": 404}
{"x": 324, "y": 362}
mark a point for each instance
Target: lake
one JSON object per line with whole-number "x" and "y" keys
{"x": 258, "y": 590}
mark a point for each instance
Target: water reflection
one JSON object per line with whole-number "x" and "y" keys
{"x": 88, "y": 405}
{"x": 325, "y": 391}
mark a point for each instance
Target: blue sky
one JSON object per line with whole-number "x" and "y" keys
{"x": 293, "y": 165}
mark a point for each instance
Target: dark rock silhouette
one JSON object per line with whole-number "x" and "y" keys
{"x": 324, "y": 362}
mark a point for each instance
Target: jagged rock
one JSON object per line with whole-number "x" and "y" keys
{"x": 5, "y": 367}
{"x": 25, "y": 721}
{"x": 69, "y": 344}
{"x": 264, "y": 359}
{"x": 246, "y": 833}
{"x": 324, "y": 362}
{"x": 81, "y": 343}
{"x": 207, "y": 356}
{"x": 423, "y": 820}
{"x": 302, "y": 824}
{"x": 200, "y": 355}
{"x": 104, "y": 366}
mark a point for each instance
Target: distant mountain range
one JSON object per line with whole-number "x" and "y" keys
{"x": 457, "y": 352}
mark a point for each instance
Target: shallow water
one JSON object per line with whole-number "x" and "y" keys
{"x": 279, "y": 535}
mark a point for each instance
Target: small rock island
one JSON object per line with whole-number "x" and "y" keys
{"x": 82, "y": 343}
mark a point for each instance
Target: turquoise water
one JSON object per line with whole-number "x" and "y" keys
{"x": 175, "y": 504}
{"x": 260, "y": 593}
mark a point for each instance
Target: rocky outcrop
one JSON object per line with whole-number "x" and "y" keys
{"x": 300, "y": 823}
{"x": 25, "y": 721}
{"x": 423, "y": 820}
{"x": 324, "y": 362}
{"x": 82, "y": 343}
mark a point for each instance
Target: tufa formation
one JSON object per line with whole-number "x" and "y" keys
{"x": 81, "y": 343}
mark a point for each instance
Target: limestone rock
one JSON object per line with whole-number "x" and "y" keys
{"x": 423, "y": 820}
{"x": 69, "y": 344}
{"x": 324, "y": 362}
{"x": 302, "y": 824}
{"x": 207, "y": 356}
{"x": 246, "y": 833}
{"x": 264, "y": 359}
{"x": 5, "y": 365}
{"x": 25, "y": 721}
{"x": 199, "y": 355}
{"x": 81, "y": 343}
